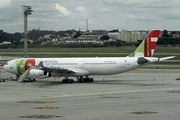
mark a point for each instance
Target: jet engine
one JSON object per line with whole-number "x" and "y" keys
{"x": 48, "y": 74}
{"x": 38, "y": 73}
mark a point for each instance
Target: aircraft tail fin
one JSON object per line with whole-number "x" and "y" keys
{"x": 147, "y": 47}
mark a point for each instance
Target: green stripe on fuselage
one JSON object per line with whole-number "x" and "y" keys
{"x": 20, "y": 65}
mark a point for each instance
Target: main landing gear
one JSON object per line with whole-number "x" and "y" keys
{"x": 67, "y": 80}
{"x": 81, "y": 79}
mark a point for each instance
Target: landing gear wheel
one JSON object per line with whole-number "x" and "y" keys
{"x": 91, "y": 80}
{"x": 80, "y": 80}
{"x": 34, "y": 79}
{"x": 88, "y": 80}
{"x": 67, "y": 81}
{"x": 63, "y": 81}
{"x": 72, "y": 81}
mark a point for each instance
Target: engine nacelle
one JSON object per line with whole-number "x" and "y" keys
{"x": 48, "y": 74}
{"x": 37, "y": 73}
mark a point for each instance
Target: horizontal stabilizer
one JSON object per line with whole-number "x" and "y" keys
{"x": 166, "y": 58}
{"x": 143, "y": 60}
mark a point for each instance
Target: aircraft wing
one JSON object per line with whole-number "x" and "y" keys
{"x": 63, "y": 71}
{"x": 9, "y": 58}
{"x": 52, "y": 68}
{"x": 5, "y": 59}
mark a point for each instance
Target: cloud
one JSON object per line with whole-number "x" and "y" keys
{"x": 4, "y": 3}
{"x": 103, "y": 10}
{"x": 81, "y": 10}
{"x": 64, "y": 11}
{"x": 102, "y": 14}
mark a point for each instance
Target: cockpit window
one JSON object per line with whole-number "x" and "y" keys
{"x": 6, "y": 64}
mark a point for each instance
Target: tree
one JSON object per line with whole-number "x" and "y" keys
{"x": 138, "y": 43}
{"x": 105, "y": 37}
{"x": 166, "y": 39}
{"x": 77, "y": 34}
{"x": 174, "y": 41}
{"x": 115, "y": 30}
{"x": 165, "y": 33}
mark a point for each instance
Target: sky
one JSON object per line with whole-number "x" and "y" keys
{"x": 60, "y": 15}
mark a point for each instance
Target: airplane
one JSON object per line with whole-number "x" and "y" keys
{"x": 82, "y": 68}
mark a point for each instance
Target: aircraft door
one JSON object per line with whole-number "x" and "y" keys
{"x": 82, "y": 64}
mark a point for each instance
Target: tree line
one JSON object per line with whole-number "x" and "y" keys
{"x": 14, "y": 38}
{"x": 169, "y": 39}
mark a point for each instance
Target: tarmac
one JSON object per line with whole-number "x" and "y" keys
{"x": 142, "y": 94}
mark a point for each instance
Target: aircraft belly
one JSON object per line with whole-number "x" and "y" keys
{"x": 102, "y": 70}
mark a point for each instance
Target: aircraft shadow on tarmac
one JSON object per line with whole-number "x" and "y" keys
{"x": 48, "y": 83}
{"x": 110, "y": 82}
{"x": 127, "y": 82}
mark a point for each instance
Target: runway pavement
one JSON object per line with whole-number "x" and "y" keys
{"x": 142, "y": 94}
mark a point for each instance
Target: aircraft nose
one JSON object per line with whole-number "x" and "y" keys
{"x": 5, "y": 67}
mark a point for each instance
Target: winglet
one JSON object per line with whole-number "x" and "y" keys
{"x": 146, "y": 48}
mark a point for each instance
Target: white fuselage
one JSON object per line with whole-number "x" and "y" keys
{"x": 93, "y": 66}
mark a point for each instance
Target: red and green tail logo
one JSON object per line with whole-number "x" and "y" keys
{"x": 147, "y": 47}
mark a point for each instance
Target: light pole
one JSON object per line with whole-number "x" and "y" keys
{"x": 27, "y": 11}
{"x": 87, "y": 25}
